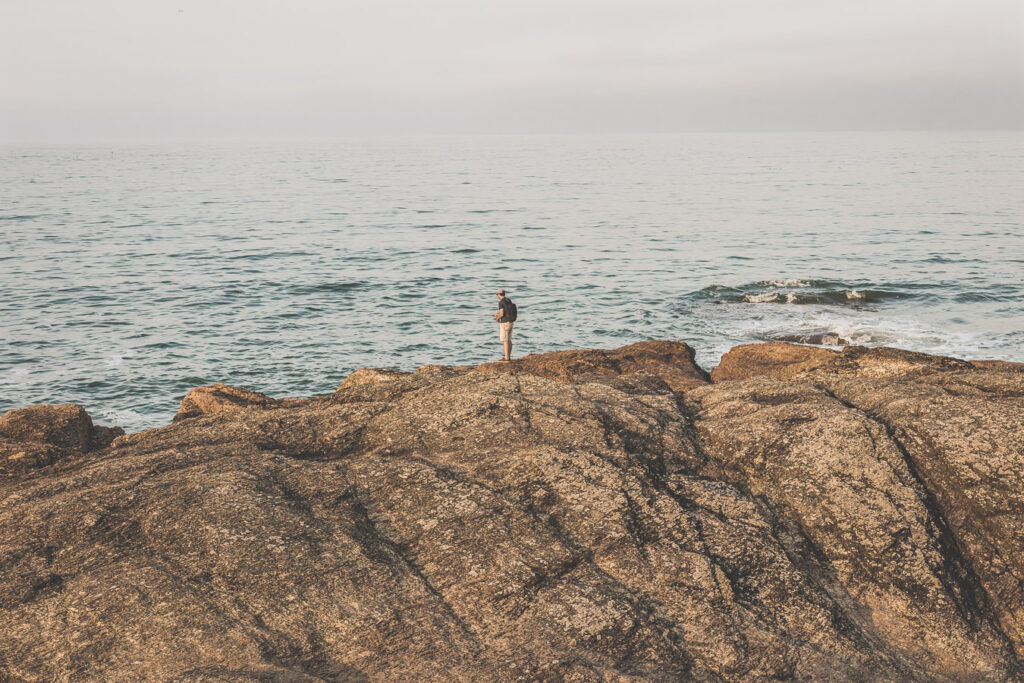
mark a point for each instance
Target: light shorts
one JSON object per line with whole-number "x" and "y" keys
{"x": 505, "y": 331}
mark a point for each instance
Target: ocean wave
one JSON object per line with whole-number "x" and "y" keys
{"x": 258, "y": 256}
{"x": 788, "y": 282}
{"x": 315, "y": 287}
{"x": 837, "y": 329}
{"x": 827, "y": 338}
{"x": 799, "y": 291}
{"x": 126, "y": 418}
{"x": 762, "y": 298}
{"x": 1002, "y": 293}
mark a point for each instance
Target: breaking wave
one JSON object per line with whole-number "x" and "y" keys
{"x": 800, "y": 291}
{"x": 826, "y": 338}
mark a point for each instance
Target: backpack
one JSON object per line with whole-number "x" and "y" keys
{"x": 511, "y": 312}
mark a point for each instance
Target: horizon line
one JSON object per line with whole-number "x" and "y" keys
{"x": 102, "y": 139}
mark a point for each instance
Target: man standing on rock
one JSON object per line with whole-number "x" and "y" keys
{"x": 505, "y": 316}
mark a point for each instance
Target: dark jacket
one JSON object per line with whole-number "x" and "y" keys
{"x": 506, "y": 315}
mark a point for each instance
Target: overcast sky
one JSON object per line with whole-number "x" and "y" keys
{"x": 150, "y": 68}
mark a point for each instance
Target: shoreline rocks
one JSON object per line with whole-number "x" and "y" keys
{"x": 218, "y": 397}
{"x": 586, "y": 515}
{"x": 370, "y": 376}
{"x": 671, "y": 361}
{"x": 786, "y": 361}
{"x": 40, "y": 435}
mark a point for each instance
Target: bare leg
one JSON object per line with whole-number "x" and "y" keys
{"x": 508, "y": 349}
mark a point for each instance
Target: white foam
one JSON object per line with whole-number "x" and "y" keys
{"x": 762, "y": 298}
{"x": 854, "y": 294}
{"x": 789, "y": 282}
{"x": 118, "y": 359}
{"x": 844, "y": 327}
{"x": 124, "y": 417}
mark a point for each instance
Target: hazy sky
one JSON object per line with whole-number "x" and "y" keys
{"x": 150, "y": 68}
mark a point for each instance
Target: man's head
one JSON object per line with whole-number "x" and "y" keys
{"x": 501, "y": 293}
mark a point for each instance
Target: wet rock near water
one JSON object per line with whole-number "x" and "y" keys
{"x": 824, "y": 338}
{"x": 370, "y": 376}
{"x": 781, "y": 360}
{"x": 583, "y": 515}
{"x": 41, "y": 435}
{"x": 219, "y": 397}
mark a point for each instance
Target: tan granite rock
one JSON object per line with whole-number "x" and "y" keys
{"x": 457, "y": 524}
{"x": 40, "y": 435}
{"x": 781, "y": 360}
{"x": 218, "y": 397}
{"x": 1001, "y": 365}
{"x": 884, "y": 546}
{"x": 370, "y": 376}
{"x": 672, "y": 361}
{"x": 65, "y": 426}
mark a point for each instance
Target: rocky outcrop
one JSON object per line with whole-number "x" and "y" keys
{"x": 887, "y": 548}
{"x": 219, "y": 397}
{"x": 370, "y": 376}
{"x": 1002, "y": 365}
{"x": 781, "y": 360}
{"x": 64, "y": 426}
{"x": 562, "y": 523}
{"x": 40, "y": 435}
{"x": 671, "y": 361}
{"x": 957, "y": 425}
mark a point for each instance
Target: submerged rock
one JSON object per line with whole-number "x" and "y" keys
{"x": 563, "y": 517}
{"x": 819, "y": 338}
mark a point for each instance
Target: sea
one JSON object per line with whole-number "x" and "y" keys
{"x": 131, "y": 272}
